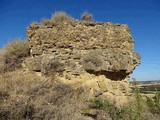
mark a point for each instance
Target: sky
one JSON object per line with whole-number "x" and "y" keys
{"x": 142, "y": 17}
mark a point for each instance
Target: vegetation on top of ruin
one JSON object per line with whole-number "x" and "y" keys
{"x": 87, "y": 16}
{"x": 60, "y": 17}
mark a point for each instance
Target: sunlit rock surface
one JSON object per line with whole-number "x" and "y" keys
{"x": 99, "y": 56}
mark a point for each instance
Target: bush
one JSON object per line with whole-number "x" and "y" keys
{"x": 13, "y": 54}
{"x": 87, "y": 16}
{"x": 133, "y": 111}
{"x": 151, "y": 104}
{"x": 155, "y": 108}
{"x": 115, "y": 113}
{"x": 137, "y": 107}
{"x": 59, "y": 17}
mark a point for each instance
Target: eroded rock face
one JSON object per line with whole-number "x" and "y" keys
{"x": 98, "y": 48}
{"x": 74, "y": 48}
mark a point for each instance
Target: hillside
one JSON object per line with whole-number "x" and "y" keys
{"x": 71, "y": 70}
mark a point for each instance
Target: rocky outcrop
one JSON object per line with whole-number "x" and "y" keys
{"x": 100, "y": 55}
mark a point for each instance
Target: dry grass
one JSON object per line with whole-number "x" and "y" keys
{"x": 87, "y": 16}
{"x": 59, "y": 17}
{"x": 45, "y": 22}
{"x": 13, "y": 54}
{"x": 24, "y": 95}
{"x": 14, "y": 102}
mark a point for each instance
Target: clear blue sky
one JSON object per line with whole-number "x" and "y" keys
{"x": 142, "y": 16}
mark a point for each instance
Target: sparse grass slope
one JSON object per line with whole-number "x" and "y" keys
{"x": 24, "y": 95}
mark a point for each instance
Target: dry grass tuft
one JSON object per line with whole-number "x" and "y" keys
{"x": 45, "y": 22}
{"x": 59, "y": 17}
{"x": 87, "y": 16}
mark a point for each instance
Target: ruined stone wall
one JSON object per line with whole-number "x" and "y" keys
{"x": 98, "y": 48}
{"x": 96, "y": 56}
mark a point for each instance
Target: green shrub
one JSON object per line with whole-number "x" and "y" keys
{"x": 13, "y": 54}
{"x": 136, "y": 109}
{"x": 156, "y": 108}
{"x": 87, "y": 16}
{"x": 151, "y": 104}
{"x": 115, "y": 113}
